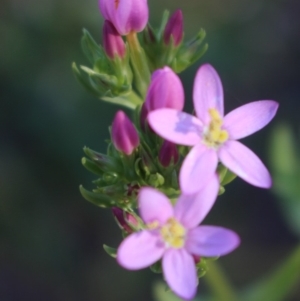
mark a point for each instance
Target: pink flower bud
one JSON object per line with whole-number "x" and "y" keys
{"x": 174, "y": 28}
{"x": 126, "y": 15}
{"x": 165, "y": 91}
{"x": 112, "y": 42}
{"x": 167, "y": 153}
{"x": 124, "y": 135}
{"x": 124, "y": 219}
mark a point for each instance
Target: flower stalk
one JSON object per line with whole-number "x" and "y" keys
{"x": 139, "y": 64}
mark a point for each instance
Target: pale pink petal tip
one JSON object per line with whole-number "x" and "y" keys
{"x": 140, "y": 250}
{"x": 180, "y": 273}
{"x": 249, "y": 118}
{"x": 211, "y": 241}
{"x": 208, "y": 93}
{"x": 245, "y": 164}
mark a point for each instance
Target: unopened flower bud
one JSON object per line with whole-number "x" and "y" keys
{"x": 126, "y": 15}
{"x": 112, "y": 42}
{"x": 124, "y": 135}
{"x": 165, "y": 91}
{"x": 168, "y": 153}
{"x": 174, "y": 28}
{"x": 124, "y": 219}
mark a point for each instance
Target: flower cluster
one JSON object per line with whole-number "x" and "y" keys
{"x": 168, "y": 164}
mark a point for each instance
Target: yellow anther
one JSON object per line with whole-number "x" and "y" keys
{"x": 223, "y": 136}
{"x": 173, "y": 233}
{"x": 215, "y": 135}
{"x": 215, "y": 116}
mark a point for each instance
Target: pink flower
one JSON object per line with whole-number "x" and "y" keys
{"x": 124, "y": 135}
{"x": 213, "y": 135}
{"x": 173, "y": 235}
{"x": 126, "y": 15}
{"x": 113, "y": 43}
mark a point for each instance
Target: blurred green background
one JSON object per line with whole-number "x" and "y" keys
{"x": 50, "y": 237}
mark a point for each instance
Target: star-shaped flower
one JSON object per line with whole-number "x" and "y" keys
{"x": 173, "y": 235}
{"x": 213, "y": 135}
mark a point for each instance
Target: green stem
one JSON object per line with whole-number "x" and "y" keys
{"x": 139, "y": 64}
{"x": 219, "y": 285}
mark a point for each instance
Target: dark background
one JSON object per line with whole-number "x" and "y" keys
{"x": 50, "y": 237}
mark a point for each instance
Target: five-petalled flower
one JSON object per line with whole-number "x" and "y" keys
{"x": 213, "y": 135}
{"x": 172, "y": 234}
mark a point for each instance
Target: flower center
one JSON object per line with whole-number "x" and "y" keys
{"x": 173, "y": 233}
{"x": 214, "y": 135}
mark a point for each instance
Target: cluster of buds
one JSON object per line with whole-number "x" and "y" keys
{"x": 121, "y": 64}
{"x": 169, "y": 164}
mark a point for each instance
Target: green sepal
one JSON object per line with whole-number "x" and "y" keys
{"x": 98, "y": 199}
{"x": 110, "y": 251}
{"x": 190, "y": 52}
{"x": 221, "y": 170}
{"x": 84, "y": 81}
{"x": 105, "y": 163}
{"x": 164, "y": 21}
{"x": 201, "y": 267}
{"x": 111, "y": 82}
{"x": 156, "y": 267}
{"x": 228, "y": 178}
{"x": 91, "y": 166}
{"x": 156, "y": 180}
{"x": 221, "y": 190}
{"x": 91, "y": 49}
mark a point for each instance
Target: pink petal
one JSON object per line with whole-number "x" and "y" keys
{"x": 249, "y": 118}
{"x": 197, "y": 168}
{"x": 211, "y": 241}
{"x": 208, "y": 93}
{"x": 244, "y": 163}
{"x": 180, "y": 272}
{"x": 154, "y": 206}
{"x": 139, "y": 250}
{"x": 176, "y": 126}
{"x": 191, "y": 209}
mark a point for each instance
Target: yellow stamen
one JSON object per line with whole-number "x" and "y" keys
{"x": 215, "y": 135}
{"x": 173, "y": 233}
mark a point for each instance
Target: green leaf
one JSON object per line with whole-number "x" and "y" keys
{"x": 277, "y": 285}
{"x": 283, "y": 150}
{"x": 110, "y": 251}
{"x": 91, "y": 166}
{"x": 84, "y": 81}
{"x": 90, "y": 48}
{"x": 98, "y": 199}
{"x": 163, "y": 24}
